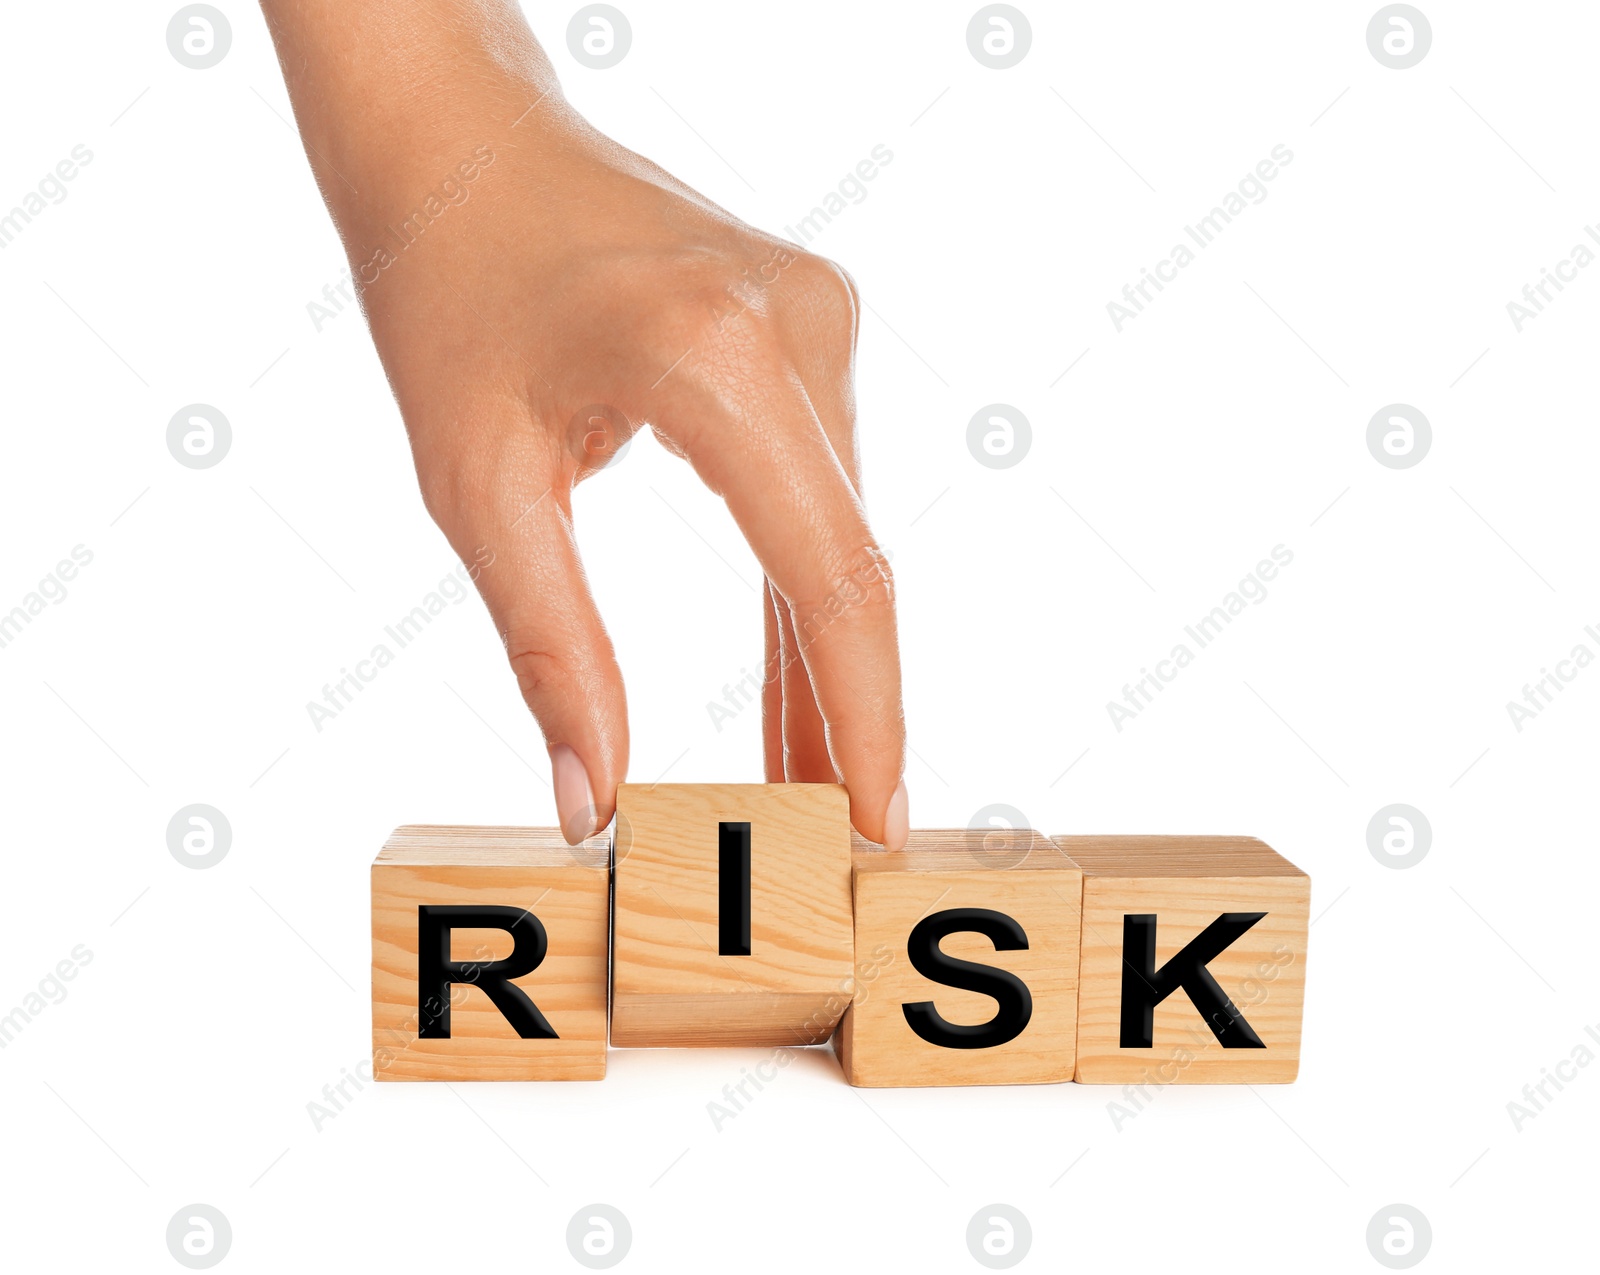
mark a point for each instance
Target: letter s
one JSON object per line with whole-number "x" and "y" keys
{"x": 1015, "y": 1002}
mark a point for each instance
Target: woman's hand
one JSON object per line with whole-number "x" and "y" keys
{"x": 536, "y": 292}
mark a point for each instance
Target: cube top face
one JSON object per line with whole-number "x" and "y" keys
{"x": 1176, "y": 857}
{"x": 956, "y": 849}
{"x": 449, "y": 906}
{"x": 455, "y": 845}
{"x": 732, "y": 916}
{"x": 964, "y": 896}
{"x": 1193, "y": 963}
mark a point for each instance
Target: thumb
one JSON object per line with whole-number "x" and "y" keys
{"x": 563, "y": 659}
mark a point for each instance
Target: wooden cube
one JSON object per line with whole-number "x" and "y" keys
{"x": 489, "y": 955}
{"x": 966, "y": 962}
{"x": 731, "y": 914}
{"x": 1194, "y": 960}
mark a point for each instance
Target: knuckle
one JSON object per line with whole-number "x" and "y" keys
{"x": 825, "y": 293}
{"x": 829, "y": 276}
{"x": 440, "y": 494}
{"x": 736, "y": 326}
{"x": 858, "y": 587}
{"x": 472, "y": 461}
{"x": 452, "y": 497}
{"x": 689, "y": 295}
{"x": 714, "y": 333}
{"x": 852, "y": 288}
{"x": 538, "y": 672}
{"x": 744, "y": 302}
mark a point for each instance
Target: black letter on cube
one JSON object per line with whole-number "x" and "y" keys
{"x": 1144, "y": 986}
{"x": 733, "y": 889}
{"x": 1015, "y": 1002}
{"x": 436, "y": 971}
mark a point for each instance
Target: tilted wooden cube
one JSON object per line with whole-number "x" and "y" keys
{"x": 966, "y": 962}
{"x": 732, "y": 920}
{"x": 1194, "y": 960}
{"x": 489, "y": 955}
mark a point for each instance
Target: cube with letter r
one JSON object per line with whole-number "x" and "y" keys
{"x": 489, "y": 955}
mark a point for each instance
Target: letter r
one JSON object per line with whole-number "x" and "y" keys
{"x": 436, "y": 971}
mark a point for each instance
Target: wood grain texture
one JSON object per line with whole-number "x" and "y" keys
{"x": 1187, "y": 883}
{"x": 566, "y": 888}
{"x": 670, "y": 985}
{"x": 1022, "y": 874}
{"x": 1178, "y": 856}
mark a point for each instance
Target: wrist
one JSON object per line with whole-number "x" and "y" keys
{"x": 397, "y": 98}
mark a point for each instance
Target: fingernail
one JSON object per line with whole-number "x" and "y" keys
{"x": 574, "y": 795}
{"x": 897, "y": 820}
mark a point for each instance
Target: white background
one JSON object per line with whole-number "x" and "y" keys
{"x": 1229, "y": 418}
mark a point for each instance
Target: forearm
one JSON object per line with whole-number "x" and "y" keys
{"x": 392, "y": 96}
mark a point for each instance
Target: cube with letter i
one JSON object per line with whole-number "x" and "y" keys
{"x": 489, "y": 955}
{"x": 966, "y": 962}
{"x": 732, "y": 917}
{"x": 1194, "y": 960}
